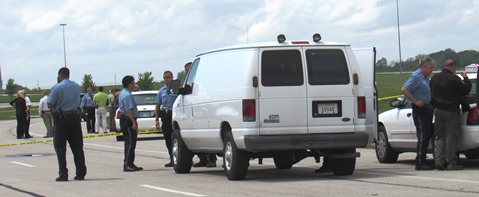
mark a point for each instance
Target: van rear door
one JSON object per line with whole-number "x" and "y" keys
{"x": 331, "y": 102}
{"x": 281, "y": 96}
{"x": 366, "y": 58}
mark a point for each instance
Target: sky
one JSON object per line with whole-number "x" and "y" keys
{"x": 113, "y": 38}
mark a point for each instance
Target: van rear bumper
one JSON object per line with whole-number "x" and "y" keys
{"x": 254, "y": 143}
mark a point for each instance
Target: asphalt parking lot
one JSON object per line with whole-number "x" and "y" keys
{"x": 29, "y": 167}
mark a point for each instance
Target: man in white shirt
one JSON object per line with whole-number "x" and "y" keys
{"x": 46, "y": 114}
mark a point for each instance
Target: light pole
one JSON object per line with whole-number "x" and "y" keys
{"x": 64, "y": 50}
{"x": 399, "y": 39}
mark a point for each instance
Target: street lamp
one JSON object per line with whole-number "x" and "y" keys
{"x": 64, "y": 50}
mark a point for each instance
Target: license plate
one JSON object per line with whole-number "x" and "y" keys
{"x": 145, "y": 114}
{"x": 327, "y": 108}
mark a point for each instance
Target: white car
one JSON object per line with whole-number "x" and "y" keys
{"x": 397, "y": 133}
{"x": 145, "y": 101}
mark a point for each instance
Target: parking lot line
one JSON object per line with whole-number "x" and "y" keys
{"x": 23, "y": 164}
{"x": 421, "y": 177}
{"x": 171, "y": 190}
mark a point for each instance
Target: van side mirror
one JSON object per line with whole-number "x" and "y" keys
{"x": 174, "y": 87}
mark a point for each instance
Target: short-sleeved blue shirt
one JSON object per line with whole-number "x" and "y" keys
{"x": 87, "y": 100}
{"x": 127, "y": 102}
{"x": 418, "y": 85}
{"x": 65, "y": 96}
{"x": 164, "y": 99}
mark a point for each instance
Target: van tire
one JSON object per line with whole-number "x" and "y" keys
{"x": 384, "y": 151}
{"x": 283, "y": 160}
{"x": 182, "y": 156}
{"x": 344, "y": 166}
{"x": 235, "y": 161}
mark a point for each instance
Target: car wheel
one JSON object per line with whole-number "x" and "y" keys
{"x": 235, "y": 161}
{"x": 344, "y": 166}
{"x": 384, "y": 151}
{"x": 283, "y": 160}
{"x": 182, "y": 156}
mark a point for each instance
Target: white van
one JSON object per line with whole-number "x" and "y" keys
{"x": 281, "y": 100}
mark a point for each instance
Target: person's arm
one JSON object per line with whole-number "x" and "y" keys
{"x": 131, "y": 116}
{"x": 157, "y": 109}
{"x": 40, "y": 107}
{"x": 466, "y": 85}
{"x": 409, "y": 96}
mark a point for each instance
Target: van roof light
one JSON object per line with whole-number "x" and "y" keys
{"x": 316, "y": 37}
{"x": 281, "y": 38}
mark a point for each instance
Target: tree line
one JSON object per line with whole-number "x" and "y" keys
{"x": 145, "y": 81}
{"x": 462, "y": 59}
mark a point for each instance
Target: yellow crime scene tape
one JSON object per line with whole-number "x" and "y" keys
{"x": 389, "y": 97}
{"x": 85, "y": 137}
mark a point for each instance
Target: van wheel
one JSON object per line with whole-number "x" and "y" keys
{"x": 344, "y": 166}
{"x": 283, "y": 160}
{"x": 235, "y": 161}
{"x": 384, "y": 151}
{"x": 182, "y": 157}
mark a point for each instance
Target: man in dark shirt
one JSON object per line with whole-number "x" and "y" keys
{"x": 447, "y": 91}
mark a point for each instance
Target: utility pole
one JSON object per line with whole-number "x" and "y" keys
{"x": 64, "y": 49}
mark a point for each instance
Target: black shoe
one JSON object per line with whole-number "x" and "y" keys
{"x": 452, "y": 166}
{"x": 440, "y": 167}
{"x": 200, "y": 164}
{"x": 132, "y": 169}
{"x": 211, "y": 164}
{"x": 170, "y": 164}
{"x": 61, "y": 178}
{"x": 423, "y": 167}
{"x": 79, "y": 178}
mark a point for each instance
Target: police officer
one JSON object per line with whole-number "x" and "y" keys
{"x": 88, "y": 107}
{"x": 64, "y": 100}
{"x": 164, "y": 104}
{"x": 128, "y": 124}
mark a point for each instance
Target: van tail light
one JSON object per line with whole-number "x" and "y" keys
{"x": 249, "y": 110}
{"x": 472, "y": 117}
{"x": 361, "y": 107}
{"x": 118, "y": 114}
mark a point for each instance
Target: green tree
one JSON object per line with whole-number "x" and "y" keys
{"x": 88, "y": 82}
{"x": 10, "y": 88}
{"x": 145, "y": 81}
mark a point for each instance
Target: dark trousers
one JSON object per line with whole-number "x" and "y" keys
{"x": 167, "y": 130}
{"x": 69, "y": 129}
{"x": 130, "y": 136}
{"x": 27, "y": 125}
{"x": 21, "y": 126}
{"x": 422, "y": 117}
{"x": 90, "y": 119}
{"x": 112, "y": 119}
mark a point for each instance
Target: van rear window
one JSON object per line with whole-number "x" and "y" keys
{"x": 327, "y": 67}
{"x": 281, "y": 68}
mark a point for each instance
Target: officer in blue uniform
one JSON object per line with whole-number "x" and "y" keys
{"x": 164, "y": 104}
{"x": 88, "y": 107}
{"x": 64, "y": 100}
{"x": 128, "y": 124}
